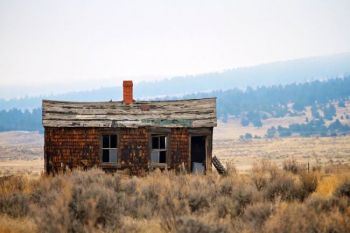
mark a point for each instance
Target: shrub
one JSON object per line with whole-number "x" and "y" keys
{"x": 14, "y": 205}
{"x": 299, "y": 218}
{"x": 285, "y": 187}
{"x": 47, "y": 190}
{"x": 331, "y": 204}
{"x": 77, "y": 202}
{"x": 309, "y": 182}
{"x": 343, "y": 189}
{"x": 200, "y": 193}
{"x": 198, "y": 201}
{"x": 235, "y": 196}
{"x": 260, "y": 181}
{"x": 257, "y": 214}
{"x": 225, "y": 207}
{"x": 98, "y": 205}
{"x": 291, "y": 165}
{"x": 259, "y": 176}
{"x": 194, "y": 225}
{"x": 242, "y": 198}
{"x": 170, "y": 208}
{"x": 268, "y": 200}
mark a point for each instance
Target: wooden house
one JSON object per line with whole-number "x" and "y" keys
{"x": 129, "y": 134}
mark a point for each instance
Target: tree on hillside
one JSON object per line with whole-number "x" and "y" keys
{"x": 271, "y": 132}
{"x": 341, "y": 103}
{"x": 244, "y": 121}
{"x": 314, "y": 112}
{"x": 329, "y": 112}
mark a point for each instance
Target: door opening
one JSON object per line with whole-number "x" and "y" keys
{"x": 198, "y": 154}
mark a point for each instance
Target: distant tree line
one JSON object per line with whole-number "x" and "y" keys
{"x": 252, "y": 106}
{"x": 315, "y": 127}
{"x": 15, "y": 119}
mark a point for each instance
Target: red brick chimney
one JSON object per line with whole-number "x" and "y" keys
{"x": 127, "y": 92}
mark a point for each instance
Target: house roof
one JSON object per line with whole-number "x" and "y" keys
{"x": 176, "y": 113}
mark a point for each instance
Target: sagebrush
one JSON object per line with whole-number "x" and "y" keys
{"x": 268, "y": 199}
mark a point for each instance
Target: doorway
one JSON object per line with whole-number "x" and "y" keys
{"x": 198, "y": 154}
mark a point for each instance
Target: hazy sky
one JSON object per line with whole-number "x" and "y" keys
{"x": 55, "y": 46}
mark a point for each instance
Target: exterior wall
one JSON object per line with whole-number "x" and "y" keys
{"x": 68, "y": 148}
{"x": 179, "y": 148}
{"x": 133, "y": 149}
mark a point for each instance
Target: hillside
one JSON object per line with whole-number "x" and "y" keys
{"x": 313, "y": 108}
{"x": 277, "y": 73}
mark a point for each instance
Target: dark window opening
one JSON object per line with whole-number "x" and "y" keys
{"x": 109, "y": 148}
{"x": 162, "y": 156}
{"x": 162, "y": 142}
{"x": 155, "y": 142}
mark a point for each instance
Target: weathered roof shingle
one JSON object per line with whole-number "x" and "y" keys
{"x": 177, "y": 113}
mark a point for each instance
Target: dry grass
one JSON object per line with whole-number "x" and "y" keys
{"x": 25, "y": 167}
{"x": 21, "y": 153}
{"x": 266, "y": 199}
{"x": 21, "y": 145}
{"x": 315, "y": 151}
{"x": 16, "y": 225}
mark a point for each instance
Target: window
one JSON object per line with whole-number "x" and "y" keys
{"x": 159, "y": 145}
{"x": 109, "y": 148}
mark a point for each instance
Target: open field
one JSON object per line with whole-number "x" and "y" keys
{"x": 34, "y": 167}
{"x": 20, "y": 145}
{"x": 22, "y": 152}
{"x": 315, "y": 151}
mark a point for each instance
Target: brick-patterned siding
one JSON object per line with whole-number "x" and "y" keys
{"x": 81, "y": 147}
{"x": 179, "y": 148}
{"x": 134, "y": 149}
{"x": 71, "y": 148}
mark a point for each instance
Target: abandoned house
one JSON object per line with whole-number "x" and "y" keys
{"x": 134, "y": 135}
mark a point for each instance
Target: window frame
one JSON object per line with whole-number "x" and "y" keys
{"x": 165, "y": 149}
{"x": 116, "y": 149}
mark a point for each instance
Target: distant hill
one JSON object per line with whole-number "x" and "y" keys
{"x": 252, "y": 106}
{"x": 278, "y": 73}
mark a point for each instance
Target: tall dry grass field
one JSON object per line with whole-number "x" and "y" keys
{"x": 266, "y": 199}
